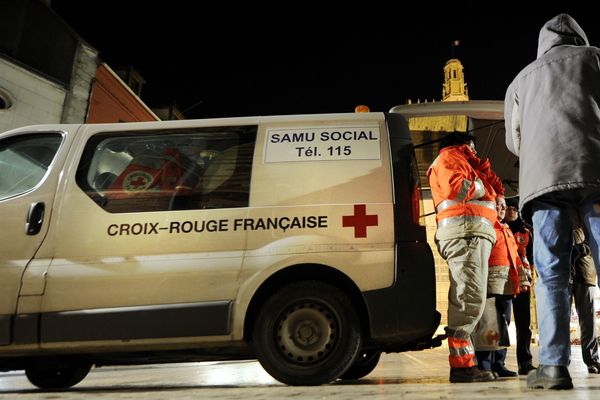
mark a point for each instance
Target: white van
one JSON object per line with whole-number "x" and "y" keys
{"x": 296, "y": 240}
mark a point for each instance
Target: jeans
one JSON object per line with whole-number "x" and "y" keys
{"x": 554, "y": 217}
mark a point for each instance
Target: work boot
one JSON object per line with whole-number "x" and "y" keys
{"x": 503, "y": 372}
{"x": 526, "y": 368}
{"x": 594, "y": 368}
{"x": 550, "y": 377}
{"x": 470, "y": 374}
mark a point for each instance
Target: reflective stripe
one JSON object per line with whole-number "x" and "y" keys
{"x": 461, "y": 351}
{"x": 448, "y": 203}
{"x": 462, "y": 219}
{"x": 479, "y": 189}
{"x": 464, "y": 190}
{"x": 460, "y": 346}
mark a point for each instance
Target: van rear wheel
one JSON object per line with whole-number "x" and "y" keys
{"x": 307, "y": 333}
{"x": 364, "y": 365}
{"x": 57, "y": 377}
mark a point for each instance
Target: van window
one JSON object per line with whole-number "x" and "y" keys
{"x": 24, "y": 161}
{"x": 163, "y": 170}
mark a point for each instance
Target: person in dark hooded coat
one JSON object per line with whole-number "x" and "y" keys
{"x": 522, "y": 302}
{"x": 552, "y": 118}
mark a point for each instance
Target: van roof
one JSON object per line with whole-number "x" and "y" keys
{"x": 483, "y": 109}
{"x": 372, "y": 116}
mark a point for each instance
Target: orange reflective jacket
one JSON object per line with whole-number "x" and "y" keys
{"x": 505, "y": 261}
{"x": 522, "y": 239}
{"x": 461, "y": 194}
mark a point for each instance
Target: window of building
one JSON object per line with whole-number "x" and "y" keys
{"x": 181, "y": 169}
{"x": 5, "y": 102}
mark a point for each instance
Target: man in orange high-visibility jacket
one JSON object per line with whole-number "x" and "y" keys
{"x": 465, "y": 213}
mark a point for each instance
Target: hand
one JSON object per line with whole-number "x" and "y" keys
{"x": 525, "y": 289}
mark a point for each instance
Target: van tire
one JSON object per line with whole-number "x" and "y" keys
{"x": 363, "y": 366}
{"x": 307, "y": 333}
{"x": 57, "y": 377}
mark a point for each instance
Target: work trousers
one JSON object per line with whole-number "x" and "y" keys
{"x": 467, "y": 260}
{"x": 583, "y": 295}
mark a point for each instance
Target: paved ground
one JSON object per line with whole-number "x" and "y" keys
{"x": 412, "y": 375}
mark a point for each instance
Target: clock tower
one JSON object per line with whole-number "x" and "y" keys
{"x": 454, "y": 87}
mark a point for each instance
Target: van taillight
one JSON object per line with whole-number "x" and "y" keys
{"x": 417, "y": 206}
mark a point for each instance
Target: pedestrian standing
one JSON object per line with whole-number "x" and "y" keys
{"x": 522, "y": 301}
{"x": 465, "y": 215}
{"x": 506, "y": 279}
{"x": 583, "y": 291}
{"x": 552, "y": 119}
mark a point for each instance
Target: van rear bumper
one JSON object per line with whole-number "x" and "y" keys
{"x": 403, "y": 316}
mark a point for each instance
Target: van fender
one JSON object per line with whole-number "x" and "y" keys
{"x": 257, "y": 288}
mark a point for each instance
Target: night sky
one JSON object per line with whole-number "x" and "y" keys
{"x": 220, "y": 59}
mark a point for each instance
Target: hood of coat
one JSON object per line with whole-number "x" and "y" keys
{"x": 562, "y": 29}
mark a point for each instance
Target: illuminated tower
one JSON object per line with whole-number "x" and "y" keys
{"x": 454, "y": 87}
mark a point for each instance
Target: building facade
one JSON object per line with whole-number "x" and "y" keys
{"x": 49, "y": 74}
{"x": 112, "y": 100}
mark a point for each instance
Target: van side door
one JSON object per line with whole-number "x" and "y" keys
{"x": 29, "y": 173}
{"x": 148, "y": 245}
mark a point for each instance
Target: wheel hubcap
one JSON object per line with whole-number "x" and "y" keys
{"x": 307, "y": 333}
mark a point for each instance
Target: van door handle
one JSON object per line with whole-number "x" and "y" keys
{"x": 35, "y": 218}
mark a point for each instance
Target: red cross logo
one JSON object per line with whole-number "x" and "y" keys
{"x": 360, "y": 220}
{"x": 139, "y": 181}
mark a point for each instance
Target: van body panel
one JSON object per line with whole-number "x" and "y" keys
{"x": 337, "y": 244}
{"x": 132, "y": 323}
{"x": 367, "y": 266}
{"x": 119, "y": 267}
{"x": 330, "y": 181}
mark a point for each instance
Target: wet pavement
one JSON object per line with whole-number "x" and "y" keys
{"x": 410, "y": 375}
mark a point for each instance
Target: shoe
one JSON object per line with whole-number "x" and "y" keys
{"x": 525, "y": 369}
{"x": 503, "y": 372}
{"x": 594, "y": 369}
{"x": 470, "y": 374}
{"x": 549, "y": 377}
